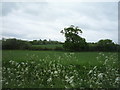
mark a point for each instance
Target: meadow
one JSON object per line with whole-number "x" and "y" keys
{"x": 51, "y": 46}
{"x": 59, "y": 69}
{"x": 47, "y": 47}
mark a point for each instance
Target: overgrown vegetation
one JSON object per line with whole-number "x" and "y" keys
{"x": 50, "y": 69}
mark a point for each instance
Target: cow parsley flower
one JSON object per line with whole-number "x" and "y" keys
{"x": 100, "y": 76}
{"x": 55, "y": 72}
{"x": 49, "y": 80}
{"x": 90, "y": 72}
{"x": 117, "y": 80}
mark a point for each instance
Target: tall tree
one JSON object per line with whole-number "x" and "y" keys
{"x": 73, "y": 41}
{"x": 106, "y": 45}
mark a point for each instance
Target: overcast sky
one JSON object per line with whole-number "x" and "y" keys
{"x": 45, "y": 20}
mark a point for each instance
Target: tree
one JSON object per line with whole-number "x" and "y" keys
{"x": 92, "y": 46}
{"x": 106, "y": 45}
{"x": 73, "y": 41}
{"x": 44, "y": 41}
{"x": 15, "y": 44}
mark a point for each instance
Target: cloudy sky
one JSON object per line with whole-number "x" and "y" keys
{"x": 45, "y": 20}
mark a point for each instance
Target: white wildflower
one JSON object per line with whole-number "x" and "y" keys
{"x": 117, "y": 79}
{"x": 71, "y": 77}
{"x": 71, "y": 53}
{"x": 22, "y": 63}
{"x": 100, "y": 76}
{"x": 66, "y": 87}
{"x": 26, "y": 69}
{"x": 100, "y": 53}
{"x": 18, "y": 65}
{"x": 90, "y": 71}
{"x": 103, "y": 54}
{"x": 97, "y": 58}
{"x": 91, "y": 86}
{"x": 6, "y": 83}
{"x": 95, "y": 67}
{"x": 51, "y": 72}
{"x": 106, "y": 56}
{"x": 66, "y": 77}
{"x": 8, "y": 69}
{"x": 50, "y": 79}
{"x": 72, "y": 84}
{"x": 105, "y": 61}
{"x": 59, "y": 57}
{"x": 55, "y": 72}
{"x": 10, "y": 61}
{"x": 70, "y": 80}
{"x": 84, "y": 67}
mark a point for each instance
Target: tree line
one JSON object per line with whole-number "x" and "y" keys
{"x": 44, "y": 42}
{"x": 73, "y": 42}
{"x": 102, "y": 45}
{"x": 18, "y": 44}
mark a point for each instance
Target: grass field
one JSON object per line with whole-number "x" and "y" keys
{"x": 55, "y": 69}
{"x": 49, "y": 46}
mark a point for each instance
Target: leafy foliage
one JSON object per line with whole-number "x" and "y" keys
{"x": 15, "y": 44}
{"x": 12, "y": 44}
{"x": 106, "y": 45}
{"x": 44, "y": 42}
{"x": 73, "y": 41}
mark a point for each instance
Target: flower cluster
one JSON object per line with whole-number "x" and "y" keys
{"x": 51, "y": 73}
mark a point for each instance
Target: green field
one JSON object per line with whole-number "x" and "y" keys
{"x": 48, "y": 47}
{"x": 55, "y": 69}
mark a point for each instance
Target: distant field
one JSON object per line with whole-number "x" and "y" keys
{"x": 74, "y": 58}
{"x": 55, "y": 69}
{"x": 48, "y": 46}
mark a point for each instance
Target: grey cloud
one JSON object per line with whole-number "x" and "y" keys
{"x": 7, "y": 7}
{"x": 34, "y": 8}
{"x": 45, "y": 20}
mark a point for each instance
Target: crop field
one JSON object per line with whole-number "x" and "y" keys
{"x": 48, "y": 46}
{"x": 59, "y": 69}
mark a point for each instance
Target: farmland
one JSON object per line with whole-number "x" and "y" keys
{"x": 59, "y": 69}
{"x": 47, "y": 47}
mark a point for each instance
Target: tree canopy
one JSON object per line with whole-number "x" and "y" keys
{"x": 106, "y": 45}
{"x": 73, "y": 41}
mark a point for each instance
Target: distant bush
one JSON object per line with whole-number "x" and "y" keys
{"x": 59, "y": 48}
{"x": 45, "y": 47}
{"x": 44, "y": 42}
{"x": 14, "y": 44}
{"x": 35, "y": 48}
